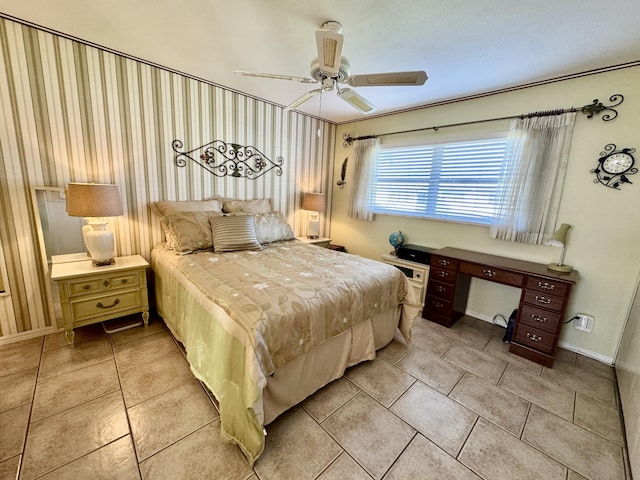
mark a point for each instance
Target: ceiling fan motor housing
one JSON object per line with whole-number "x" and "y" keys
{"x": 343, "y": 71}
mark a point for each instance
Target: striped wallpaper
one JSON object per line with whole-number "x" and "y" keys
{"x": 73, "y": 112}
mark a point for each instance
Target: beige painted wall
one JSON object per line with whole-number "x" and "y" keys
{"x": 604, "y": 241}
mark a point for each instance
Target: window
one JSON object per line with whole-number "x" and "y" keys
{"x": 449, "y": 181}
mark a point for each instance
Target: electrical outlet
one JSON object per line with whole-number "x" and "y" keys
{"x": 584, "y": 322}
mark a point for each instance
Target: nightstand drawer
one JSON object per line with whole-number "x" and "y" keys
{"x": 104, "y": 284}
{"x": 106, "y": 305}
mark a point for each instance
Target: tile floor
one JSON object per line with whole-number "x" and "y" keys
{"x": 452, "y": 404}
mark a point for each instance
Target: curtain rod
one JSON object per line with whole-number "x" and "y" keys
{"x": 589, "y": 110}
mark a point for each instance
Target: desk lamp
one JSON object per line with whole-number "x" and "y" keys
{"x": 559, "y": 239}
{"x": 314, "y": 202}
{"x": 95, "y": 201}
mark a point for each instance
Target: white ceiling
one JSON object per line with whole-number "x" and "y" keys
{"x": 467, "y": 47}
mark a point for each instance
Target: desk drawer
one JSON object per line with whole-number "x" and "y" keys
{"x": 438, "y": 306}
{"x": 547, "y": 286}
{"x": 441, "y": 290}
{"x": 534, "y": 338}
{"x": 544, "y": 300}
{"x": 492, "y": 274}
{"x": 106, "y": 305}
{"x": 441, "y": 275}
{"x": 102, "y": 284}
{"x": 444, "y": 262}
{"x": 539, "y": 318}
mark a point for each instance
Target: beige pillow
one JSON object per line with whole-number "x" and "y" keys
{"x": 234, "y": 233}
{"x": 189, "y": 231}
{"x": 272, "y": 227}
{"x": 258, "y": 205}
{"x": 163, "y": 208}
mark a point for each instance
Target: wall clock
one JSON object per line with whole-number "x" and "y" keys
{"x": 614, "y": 166}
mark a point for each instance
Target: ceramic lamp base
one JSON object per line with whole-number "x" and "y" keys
{"x": 101, "y": 244}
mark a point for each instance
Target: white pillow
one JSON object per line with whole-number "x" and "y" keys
{"x": 257, "y": 205}
{"x": 234, "y": 233}
{"x": 272, "y": 227}
{"x": 189, "y": 231}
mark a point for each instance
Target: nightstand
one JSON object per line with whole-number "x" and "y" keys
{"x": 417, "y": 273}
{"x": 321, "y": 242}
{"x": 91, "y": 294}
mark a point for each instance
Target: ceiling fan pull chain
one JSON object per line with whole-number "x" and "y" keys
{"x": 320, "y": 115}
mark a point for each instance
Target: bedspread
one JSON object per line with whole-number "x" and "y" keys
{"x": 241, "y": 315}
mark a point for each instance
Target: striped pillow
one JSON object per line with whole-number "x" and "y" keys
{"x": 234, "y": 233}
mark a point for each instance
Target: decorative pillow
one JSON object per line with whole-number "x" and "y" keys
{"x": 163, "y": 208}
{"x": 258, "y": 205}
{"x": 189, "y": 231}
{"x": 234, "y": 233}
{"x": 272, "y": 227}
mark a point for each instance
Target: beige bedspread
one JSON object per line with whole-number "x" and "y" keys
{"x": 241, "y": 315}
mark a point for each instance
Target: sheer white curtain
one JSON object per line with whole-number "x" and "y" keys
{"x": 535, "y": 167}
{"x": 364, "y": 166}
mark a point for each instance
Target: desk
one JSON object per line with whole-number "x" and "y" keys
{"x": 542, "y": 303}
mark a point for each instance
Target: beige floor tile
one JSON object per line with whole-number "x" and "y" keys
{"x": 443, "y": 421}
{"x": 396, "y": 350}
{"x": 423, "y": 459}
{"x": 464, "y": 331}
{"x": 328, "y": 399}
{"x": 296, "y": 447}
{"x": 65, "y": 391}
{"x": 198, "y": 456}
{"x": 594, "y": 366}
{"x": 145, "y": 349}
{"x": 17, "y": 388}
{"x": 116, "y": 460}
{"x": 582, "y": 451}
{"x": 70, "y": 358}
{"x": 18, "y": 356}
{"x": 432, "y": 370}
{"x": 82, "y": 334}
{"x": 155, "y": 326}
{"x": 495, "y": 454}
{"x": 477, "y": 362}
{"x": 9, "y": 468}
{"x": 146, "y": 380}
{"x": 382, "y": 381}
{"x": 69, "y": 435}
{"x": 565, "y": 356}
{"x": 430, "y": 340}
{"x": 13, "y": 428}
{"x": 600, "y": 418}
{"x": 165, "y": 419}
{"x": 501, "y": 407}
{"x": 539, "y": 390}
{"x": 583, "y": 381}
{"x": 488, "y": 327}
{"x": 575, "y": 476}
{"x": 428, "y": 323}
{"x": 372, "y": 435}
{"x": 500, "y": 349}
{"x": 344, "y": 468}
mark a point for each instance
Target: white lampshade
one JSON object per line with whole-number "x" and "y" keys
{"x": 94, "y": 201}
{"x": 559, "y": 239}
{"x": 314, "y": 202}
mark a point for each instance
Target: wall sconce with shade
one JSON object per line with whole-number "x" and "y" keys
{"x": 314, "y": 202}
{"x": 95, "y": 201}
{"x": 559, "y": 239}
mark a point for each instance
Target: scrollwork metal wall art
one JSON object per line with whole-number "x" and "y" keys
{"x": 597, "y": 107}
{"x": 241, "y": 161}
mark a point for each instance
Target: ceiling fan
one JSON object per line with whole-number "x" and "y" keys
{"x": 331, "y": 69}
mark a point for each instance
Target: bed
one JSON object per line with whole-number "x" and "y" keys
{"x": 266, "y": 325}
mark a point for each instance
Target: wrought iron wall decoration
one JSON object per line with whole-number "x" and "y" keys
{"x": 236, "y": 160}
{"x": 343, "y": 174}
{"x": 614, "y": 166}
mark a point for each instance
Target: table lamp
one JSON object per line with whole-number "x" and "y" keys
{"x": 314, "y": 202}
{"x": 95, "y": 201}
{"x": 559, "y": 239}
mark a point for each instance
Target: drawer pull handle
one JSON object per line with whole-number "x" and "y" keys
{"x": 538, "y": 318}
{"x": 438, "y": 304}
{"x": 86, "y": 287}
{"x": 533, "y": 337}
{"x": 440, "y": 288}
{"x": 442, "y": 274}
{"x": 541, "y": 299}
{"x": 444, "y": 262}
{"x": 115, "y": 302}
{"x": 124, "y": 280}
{"x": 105, "y": 283}
{"x": 546, "y": 285}
{"x": 488, "y": 273}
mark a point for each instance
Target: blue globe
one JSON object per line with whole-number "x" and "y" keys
{"x": 396, "y": 239}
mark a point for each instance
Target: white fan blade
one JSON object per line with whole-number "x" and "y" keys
{"x": 304, "y": 98}
{"x": 329, "y": 45}
{"x": 388, "y": 79}
{"x": 275, "y": 76}
{"x": 355, "y": 100}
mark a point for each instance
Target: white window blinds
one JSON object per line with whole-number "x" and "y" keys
{"x": 449, "y": 181}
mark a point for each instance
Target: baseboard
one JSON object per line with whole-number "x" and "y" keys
{"x": 18, "y": 337}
